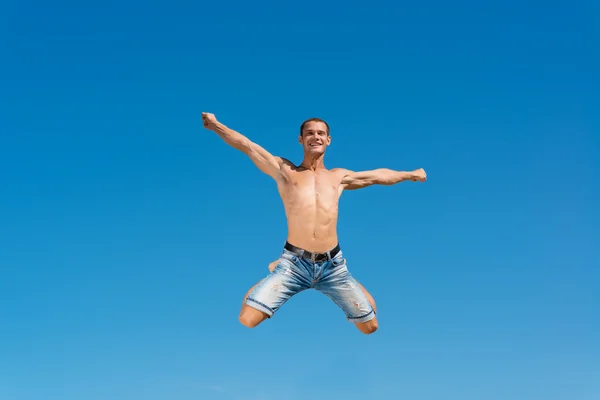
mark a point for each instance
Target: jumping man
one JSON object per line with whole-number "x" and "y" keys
{"x": 311, "y": 257}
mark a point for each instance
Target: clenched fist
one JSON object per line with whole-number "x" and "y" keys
{"x": 419, "y": 175}
{"x": 209, "y": 120}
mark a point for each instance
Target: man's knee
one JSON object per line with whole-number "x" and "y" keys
{"x": 250, "y": 317}
{"x": 368, "y": 327}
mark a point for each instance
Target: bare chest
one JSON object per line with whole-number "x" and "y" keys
{"x": 322, "y": 186}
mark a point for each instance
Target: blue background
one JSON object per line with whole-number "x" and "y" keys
{"x": 129, "y": 233}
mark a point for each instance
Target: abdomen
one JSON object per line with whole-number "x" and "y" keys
{"x": 311, "y": 223}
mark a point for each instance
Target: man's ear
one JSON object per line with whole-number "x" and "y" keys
{"x": 300, "y": 139}
{"x": 328, "y": 140}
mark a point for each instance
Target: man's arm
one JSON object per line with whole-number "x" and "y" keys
{"x": 264, "y": 160}
{"x": 381, "y": 176}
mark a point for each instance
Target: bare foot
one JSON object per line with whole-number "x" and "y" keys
{"x": 273, "y": 265}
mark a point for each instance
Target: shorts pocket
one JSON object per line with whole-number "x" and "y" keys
{"x": 289, "y": 257}
{"x": 338, "y": 261}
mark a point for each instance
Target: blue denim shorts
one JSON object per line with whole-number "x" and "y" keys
{"x": 294, "y": 274}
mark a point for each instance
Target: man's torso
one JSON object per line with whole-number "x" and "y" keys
{"x": 310, "y": 200}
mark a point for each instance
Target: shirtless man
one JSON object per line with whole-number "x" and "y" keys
{"x": 311, "y": 257}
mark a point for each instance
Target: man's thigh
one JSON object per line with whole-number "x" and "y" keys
{"x": 283, "y": 282}
{"x": 273, "y": 264}
{"x": 338, "y": 284}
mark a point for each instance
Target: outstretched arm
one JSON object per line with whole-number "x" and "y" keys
{"x": 381, "y": 176}
{"x": 264, "y": 160}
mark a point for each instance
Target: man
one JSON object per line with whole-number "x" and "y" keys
{"x": 311, "y": 257}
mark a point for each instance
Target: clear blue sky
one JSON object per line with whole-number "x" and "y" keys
{"x": 129, "y": 234}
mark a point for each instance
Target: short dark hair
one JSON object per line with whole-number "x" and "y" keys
{"x": 313, "y": 120}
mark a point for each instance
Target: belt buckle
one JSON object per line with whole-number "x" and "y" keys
{"x": 313, "y": 257}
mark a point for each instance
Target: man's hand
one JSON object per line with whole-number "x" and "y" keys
{"x": 419, "y": 175}
{"x": 209, "y": 120}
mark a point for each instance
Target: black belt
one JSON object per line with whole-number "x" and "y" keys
{"x": 314, "y": 257}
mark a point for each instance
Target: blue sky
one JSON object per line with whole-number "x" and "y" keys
{"x": 129, "y": 234}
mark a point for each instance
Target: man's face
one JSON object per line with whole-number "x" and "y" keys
{"x": 314, "y": 138}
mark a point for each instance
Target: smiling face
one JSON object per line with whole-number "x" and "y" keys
{"x": 314, "y": 137}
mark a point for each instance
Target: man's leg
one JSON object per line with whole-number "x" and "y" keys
{"x": 267, "y": 296}
{"x": 251, "y": 317}
{"x": 356, "y": 302}
{"x": 369, "y": 297}
{"x": 372, "y": 325}
{"x": 365, "y": 327}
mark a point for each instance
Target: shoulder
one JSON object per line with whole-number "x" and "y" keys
{"x": 286, "y": 167}
{"x": 286, "y": 164}
{"x": 282, "y": 162}
{"x": 285, "y": 161}
{"x": 341, "y": 172}
{"x": 341, "y": 176}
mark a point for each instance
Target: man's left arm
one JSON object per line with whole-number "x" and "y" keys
{"x": 381, "y": 176}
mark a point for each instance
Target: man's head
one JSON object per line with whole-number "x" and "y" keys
{"x": 314, "y": 136}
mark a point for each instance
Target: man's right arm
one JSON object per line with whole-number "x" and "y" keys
{"x": 265, "y": 161}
